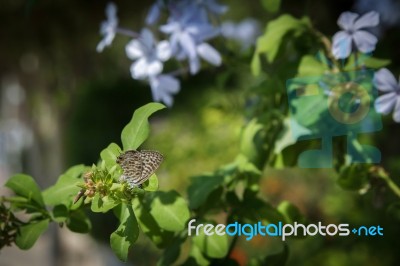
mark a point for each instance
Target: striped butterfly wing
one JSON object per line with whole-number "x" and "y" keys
{"x": 151, "y": 160}
{"x": 132, "y": 167}
{"x": 138, "y": 166}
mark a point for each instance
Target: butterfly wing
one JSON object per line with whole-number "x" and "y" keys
{"x": 132, "y": 165}
{"x": 151, "y": 160}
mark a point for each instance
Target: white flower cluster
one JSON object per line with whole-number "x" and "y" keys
{"x": 187, "y": 30}
{"x": 353, "y": 34}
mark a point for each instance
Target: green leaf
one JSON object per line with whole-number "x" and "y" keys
{"x": 310, "y": 66}
{"x": 66, "y": 187}
{"x": 213, "y": 246}
{"x": 376, "y": 62}
{"x": 60, "y": 213}
{"x": 25, "y": 186}
{"x": 290, "y": 213}
{"x": 169, "y": 210}
{"x": 149, "y": 226}
{"x": 254, "y": 209}
{"x": 277, "y": 259}
{"x": 126, "y": 234}
{"x": 256, "y": 64}
{"x": 251, "y": 143}
{"x": 196, "y": 257}
{"x": 171, "y": 253}
{"x": 286, "y": 137}
{"x": 269, "y": 43}
{"x": 246, "y": 167}
{"x": 110, "y": 154}
{"x": 29, "y": 233}
{"x": 354, "y": 177}
{"x": 201, "y": 187}
{"x": 365, "y": 60}
{"x": 102, "y": 204}
{"x": 78, "y": 222}
{"x": 271, "y": 5}
{"x": 151, "y": 184}
{"x": 137, "y": 130}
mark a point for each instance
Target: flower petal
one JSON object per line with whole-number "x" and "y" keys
{"x": 396, "y": 112}
{"x": 202, "y": 32}
{"x": 134, "y": 49}
{"x": 154, "y": 68}
{"x": 365, "y": 41}
{"x": 384, "y": 104}
{"x": 385, "y": 81}
{"x": 370, "y": 19}
{"x": 154, "y": 13}
{"x": 228, "y": 29}
{"x": 139, "y": 69}
{"x": 208, "y": 53}
{"x": 215, "y": 7}
{"x": 164, "y": 50}
{"x": 346, "y": 20}
{"x": 170, "y": 27}
{"x": 146, "y": 36}
{"x": 341, "y": 45}
{"x": 162, "y": 87}
{"x": 188, "y": 44}
{"x": 194, "y": 65}
{"x": 170, "y": 83}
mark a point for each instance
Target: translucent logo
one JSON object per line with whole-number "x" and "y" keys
{"x": 333, "y": 105}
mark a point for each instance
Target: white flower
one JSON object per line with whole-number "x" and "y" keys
{"x": 386, "y": 82}
{"x": 188, "y": 34}
{"x": 352, "y": 31}
{"x": 245, "y": 32}
{"x": 162, "y": 88}
{"x": 148, "y": 55}
{"x": 154, "y": 12}
{"x": 108, "y": 27}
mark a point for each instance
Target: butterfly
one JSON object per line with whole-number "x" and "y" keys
{"x": 138, "y": 166}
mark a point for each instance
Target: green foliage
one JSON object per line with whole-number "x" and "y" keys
{"x": 126, "y": 234}
{"x": 169, "y": 210}
{"x": 213, "y": 246}
{"x": 354, "y": 177}
{"x": 30, "y": 233}
{"x": 109, "y": 155}
{"x": 269, "y": 44}
{"x": 65, "y": 187}
{"x": 201, "y": 187}
{"x": 26, "y": 187}
{"x": 78, "y": 222}
{"x": 271, "y": 5}
{"x": 137, "y": 130}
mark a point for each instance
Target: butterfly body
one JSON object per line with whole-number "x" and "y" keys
{"x": 138, "y": 166}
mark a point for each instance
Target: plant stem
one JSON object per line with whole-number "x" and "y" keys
{"x": 127, "y": 32}
{"x": 392, "y": 185}
{"x": 231, "y": 246}
{"x": 327, "y": 47}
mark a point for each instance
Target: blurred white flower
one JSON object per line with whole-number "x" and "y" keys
{"x": 108, "y": 27}
{"x": 188, "y": 34}
{"x": 352, "y": 32}
{"x": 205, "y": 7}
{"x": 386, "y": 82}
{"x": 245, "y": 32}
{"x": 162, "y": 88}
{"x": 154, "y": 12}
{"x": 148, "y": 55}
